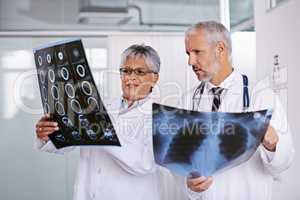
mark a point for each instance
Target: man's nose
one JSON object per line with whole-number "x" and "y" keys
{"x": 192, "y": 60}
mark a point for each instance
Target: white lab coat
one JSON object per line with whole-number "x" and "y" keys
{"x": 253, "y": 179}
{"x": 118, "y": 173}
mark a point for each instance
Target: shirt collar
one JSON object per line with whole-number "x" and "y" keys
{"x": 226, "y": 84}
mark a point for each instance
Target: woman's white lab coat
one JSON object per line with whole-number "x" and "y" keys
{"x": 118, "y": 173}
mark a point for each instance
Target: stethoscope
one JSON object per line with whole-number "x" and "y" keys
{"x": 200, "y": 89}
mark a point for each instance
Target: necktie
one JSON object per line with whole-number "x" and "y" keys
{"x": 217, "y": 91}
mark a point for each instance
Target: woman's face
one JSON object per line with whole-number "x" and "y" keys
{"x": 137, "y": 79}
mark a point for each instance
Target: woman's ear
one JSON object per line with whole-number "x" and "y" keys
{"x": 155, "y": 79}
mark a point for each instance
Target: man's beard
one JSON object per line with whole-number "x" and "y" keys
{"x": 208, "y": 76}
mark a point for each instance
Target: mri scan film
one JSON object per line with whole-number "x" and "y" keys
{"x": 70, "y": 96}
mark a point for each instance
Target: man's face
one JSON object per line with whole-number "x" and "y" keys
{"x": 202, "y": 55}
{"x": 137, "y": 86}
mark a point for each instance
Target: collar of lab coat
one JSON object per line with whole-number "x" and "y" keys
{"x": 115, "y": 106}
{"x": 123, "y": 107}
{"x": 227, "y": 83}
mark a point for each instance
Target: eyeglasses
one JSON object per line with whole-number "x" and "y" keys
{"x": 137, "y": 71}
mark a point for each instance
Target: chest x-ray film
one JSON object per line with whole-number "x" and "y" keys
{"x": 70, "y": 96}
{"x": 194, "y": 144}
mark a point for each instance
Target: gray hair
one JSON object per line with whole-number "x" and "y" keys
{"x": 215, "y": 32}
{"x": 150, "y": 56}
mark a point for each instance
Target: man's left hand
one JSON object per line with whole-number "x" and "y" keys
{"x": 271, "y": 139}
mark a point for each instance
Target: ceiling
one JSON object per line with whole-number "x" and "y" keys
{"x": 120, "y": 15}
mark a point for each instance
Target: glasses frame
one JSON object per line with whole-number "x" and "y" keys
{"x": 135, "y": 71}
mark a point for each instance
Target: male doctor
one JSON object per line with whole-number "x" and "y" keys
{"x": 129, "y": 171}
{"x": 222, "y": 88}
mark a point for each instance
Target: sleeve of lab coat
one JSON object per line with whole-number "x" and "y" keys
{"x": 280, "y": 160}
{"x": 135, "y": 155}
{"x": 138, "y": 162}
{"x": 50, "y": 148}
{"x": 181, "y": 181}
{"x": 136, "y": 158}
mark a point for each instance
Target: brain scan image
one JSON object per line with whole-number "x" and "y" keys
{"x": 70, "y": 96}
{"x": 194, "y": 144}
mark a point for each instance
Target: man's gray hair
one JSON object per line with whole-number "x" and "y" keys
{"x": 215, "y": 32}
{"x": 150, "y": 56}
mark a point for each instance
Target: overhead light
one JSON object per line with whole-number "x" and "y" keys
{"x": 104, "y": 18}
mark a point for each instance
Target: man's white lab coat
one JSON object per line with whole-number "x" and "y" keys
{"x": 118, "y": 173}
{"x": 253, "y": 179}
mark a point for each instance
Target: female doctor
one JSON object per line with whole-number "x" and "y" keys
{"x": 129, "y": 171}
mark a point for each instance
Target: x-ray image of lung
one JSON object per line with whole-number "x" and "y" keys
{"x": 70, "y": 96}
{"x": 194, "y": 144}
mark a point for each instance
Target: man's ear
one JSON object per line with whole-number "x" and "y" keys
{"x": 220, "y": 48}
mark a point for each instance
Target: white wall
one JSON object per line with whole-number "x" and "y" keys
{"x": 176, "y": 77}
{"x": 244, "y": 53}
{"x": 278, "y": 32}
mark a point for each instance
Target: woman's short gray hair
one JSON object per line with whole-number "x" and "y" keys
{"x": 216, "y": 32}
{"x": 150, "y": 56}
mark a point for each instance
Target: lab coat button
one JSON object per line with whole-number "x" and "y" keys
{"x": 99, "y": 171}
